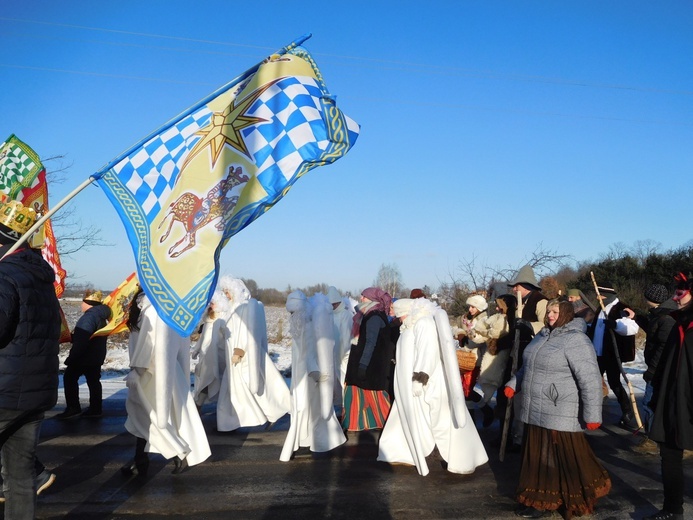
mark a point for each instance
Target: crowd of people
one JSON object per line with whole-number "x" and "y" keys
{"x": 381, "y": 363}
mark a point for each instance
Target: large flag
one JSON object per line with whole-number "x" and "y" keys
{"x": 119, "y": 301}
{"x": 23, "y": 178}
{"x": 190, "y": 186}
{"x": 19, "y": 166}
{"x": 36, "y": 196}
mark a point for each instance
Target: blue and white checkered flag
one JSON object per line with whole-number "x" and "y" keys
{"x": 190, "y": 186}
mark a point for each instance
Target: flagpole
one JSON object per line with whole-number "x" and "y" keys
{"x": 108, "y": 166}
{"x": 48, "y": 215}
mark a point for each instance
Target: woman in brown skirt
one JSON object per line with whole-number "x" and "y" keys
{"x": 560, "y": 394}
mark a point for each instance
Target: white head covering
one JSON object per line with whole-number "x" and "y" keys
{"x": 402, "y": 306}
{"x": 297, "y": 305}
{"x": 477, "y": 301}
{"x": 235, "y": 290}
{"x": 296, "y": 301}
{"x": 333, "y": 295}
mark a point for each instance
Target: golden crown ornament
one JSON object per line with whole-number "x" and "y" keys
{"x": 16, "y": 216}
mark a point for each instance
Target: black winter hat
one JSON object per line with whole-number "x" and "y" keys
{"x": 656, "y": 293}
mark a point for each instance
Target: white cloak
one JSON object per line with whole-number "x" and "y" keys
{"x": 210, "y": 349}
{"x": 438, "y": 417}
{"x": 159, "y": 404}
{"x": 253, "y": 391}
{"x": 343, "y": 318}
{"x": 313, "y": 422}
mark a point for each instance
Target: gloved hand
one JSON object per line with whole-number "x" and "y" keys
{"x": 593, "y": 425}
{"x": 509, "y": 392}
{"x": 416, "y": 388}
{"x": 610, "y": 324}
{"x": 523, "y": 324}
{"x": 362, "y": 372}
{"x": 237, "y": 355}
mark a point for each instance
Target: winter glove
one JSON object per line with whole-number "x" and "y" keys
{"x": 237, "y": 355}
{"x": 421, "y": 377}
{"x": 610, "y": 324}
{"x": 362, "y": 372}
{"x": 509, "y": 392}
{"x": 416, "y": 388}
{"x": 317, "y": 376}
{"x": 524, "y": 324}
{"x": 593, "y": 425}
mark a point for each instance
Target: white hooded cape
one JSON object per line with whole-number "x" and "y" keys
{"x": 253, "y": 392}
{"x": 313, "y": 422}
{"x": 159, "y": 404}
{"x": 438, "y": 417}
{"x": 210, "y": 349}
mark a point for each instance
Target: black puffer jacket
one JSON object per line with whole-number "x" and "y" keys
{"x": 88, "y": 351}
{"x": 29, "y": 332}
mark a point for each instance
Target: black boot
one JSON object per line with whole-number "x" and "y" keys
{"x": 628, "y": 422}
{"x": 140, "y": 464}
{"x": 136, "y": 467}
{"x": 180, "y": 465}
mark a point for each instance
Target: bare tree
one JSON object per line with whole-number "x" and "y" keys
{"x": 71, "y": 233}
{"x": 642, "y": 249}
{"x": 389, "y": 279}
{"x": 482, "y": 277}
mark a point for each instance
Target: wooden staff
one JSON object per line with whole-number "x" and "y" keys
{"x": 514, "y": 354}
{"x": 636, "y": 414}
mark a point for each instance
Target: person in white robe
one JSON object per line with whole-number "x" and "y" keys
{"x": 253, "y": 392}
{"x": 161, "y": 412}
{"x": 210, "y": 351}
{"x": 429, "y": 408}
{"x": 313, "y": 421}
{"x": 343, "y": 317}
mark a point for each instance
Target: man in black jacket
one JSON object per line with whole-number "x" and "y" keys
{"x": 657, "y": 324}
{"x": 29, "y": 333}
{"x": 613, "y": 331}
{"x": 86, "y": 357}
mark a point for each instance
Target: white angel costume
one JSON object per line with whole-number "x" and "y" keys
{"x": 210, "y": 351}
{"x": 429, "y": 409}
{"x": 313, "y": 422}
{"x": 159, "y": 404}
{"x": 343, "y": 317}
{"x": 253, "y": 392}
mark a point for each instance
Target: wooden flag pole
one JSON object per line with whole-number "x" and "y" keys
{"x": 48, "y": 215}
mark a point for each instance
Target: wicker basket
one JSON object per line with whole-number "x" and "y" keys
{"x": 466, "y": 360}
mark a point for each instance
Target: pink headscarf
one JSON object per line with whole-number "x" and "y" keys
{"x": 382, "y": 302}
{"x": 379, "y": 296}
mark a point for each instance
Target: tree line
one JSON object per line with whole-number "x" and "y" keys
{"x": 629, "y": 269}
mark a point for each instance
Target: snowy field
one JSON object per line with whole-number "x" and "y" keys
{"x": 117, "y": 362}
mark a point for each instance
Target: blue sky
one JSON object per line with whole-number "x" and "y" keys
{"x": 487, "y": 128}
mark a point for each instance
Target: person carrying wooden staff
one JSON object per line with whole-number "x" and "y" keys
{"x": 613, "y": 335}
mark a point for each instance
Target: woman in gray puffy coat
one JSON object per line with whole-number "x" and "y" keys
{"x": 560, "y": 394}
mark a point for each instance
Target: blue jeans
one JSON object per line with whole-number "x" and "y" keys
{"x": 17, "y": 456}
{"x": 647, "y": 412}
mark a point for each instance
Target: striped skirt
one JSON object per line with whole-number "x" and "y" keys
{"x": 365, "y": 409}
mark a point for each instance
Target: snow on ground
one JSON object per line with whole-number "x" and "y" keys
{"x": 117, "y": 361}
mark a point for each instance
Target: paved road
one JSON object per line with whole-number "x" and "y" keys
{"x": 245, "y": 480}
